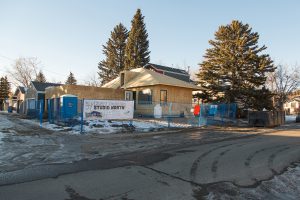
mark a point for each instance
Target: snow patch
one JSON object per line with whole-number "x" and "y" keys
{"x": 2, "y": 135}
{"x": 109, "y": 126}
{"x": 284, "y": 186}
{"x": 5, "y": 123}
{"x": 112, "y": 126}
{"x": 290, "y": 118}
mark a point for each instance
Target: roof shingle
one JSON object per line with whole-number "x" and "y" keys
{"x": 165, "y": 68}
{"x": 42, "y": 86}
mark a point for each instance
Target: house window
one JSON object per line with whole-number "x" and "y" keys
{"x": 128, "y": 95}
{"x": 30, "y": 104}
{"x": 163, "y": 96}
{"x": 122, "y": 79}
{"x": 145, "y": 96}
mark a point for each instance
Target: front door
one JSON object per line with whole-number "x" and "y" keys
{"x": 131, "y": 96}
{"x": 134, "y": 98}
{"x": 128, "y": 96}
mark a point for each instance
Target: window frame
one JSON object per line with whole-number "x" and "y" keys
{"x": 143, "y": 102}
{"x": 163, "y": 101}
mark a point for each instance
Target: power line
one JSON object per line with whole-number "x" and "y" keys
{"x": 7, "y": 57}
{"x": 53, "y": 72}
{"x": 42, "y": 69}
{"x": 62, "y": 74}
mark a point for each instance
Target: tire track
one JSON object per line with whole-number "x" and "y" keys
{"x": 214, "y": 166}
{"x": 195, "y": 165}
{"x": 273, "y": 156}
{"x": 270, "y": 160}
{"x": 193, "y": 170}
{"x": 249, "y": 159}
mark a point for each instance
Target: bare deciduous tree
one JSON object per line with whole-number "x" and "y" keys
{"x": 282, "y": 82}
{"x": 24, "y": 70}
{"x": 92, "y": 80}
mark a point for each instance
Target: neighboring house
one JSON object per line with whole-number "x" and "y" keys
{"x": 169, "y": 71}
{"x": 35, "y": 94}
{"x": 149, "y": 88}
{"x": 7, "y": 103}
{"x": 292, "y": 107}
{"x": 20, "y": 98}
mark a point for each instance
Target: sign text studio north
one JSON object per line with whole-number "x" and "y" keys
{"x": 109, "y": 107}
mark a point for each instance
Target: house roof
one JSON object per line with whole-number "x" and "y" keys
{"x": 169, "y": 71}
{"x": 115, "y": 83}
{"x": 42, "y": 86}
{"x": 22, "y": 89}
{"x": 165, "y": 68}
{"x": 296, "y": 99}
{"x": 145, "y": 77}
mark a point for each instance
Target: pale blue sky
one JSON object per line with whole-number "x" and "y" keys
{"x": 66, "y": 35}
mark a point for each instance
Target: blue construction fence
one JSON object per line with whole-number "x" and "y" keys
{"x": 68, "y": 111}
{"x": 35, "y": 109}
{"x": 65, "y": 111}
{"x": 176, "y": 114}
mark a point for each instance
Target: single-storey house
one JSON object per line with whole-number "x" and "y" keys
{"x": 20, "y": 98}
{"x": 292, "y": 107}
{"x": 149, "y": 88}
{"x": 35, "y": 94}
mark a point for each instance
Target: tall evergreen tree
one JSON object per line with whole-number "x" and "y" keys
{"x": 71, "y": 80}
{"x": 137, "y": 47}
{"x": 4, "y": 90}
{"x": 234, "y": 66}
{"x": 40, "y": 77}
{"x": 114, "y": 51}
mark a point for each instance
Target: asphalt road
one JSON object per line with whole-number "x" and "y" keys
{"x": 190, "y": 172}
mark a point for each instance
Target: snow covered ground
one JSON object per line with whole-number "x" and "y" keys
{"x": 5, "y": 124}
{"x": 112, "y": 126}
{"x": 284, "y": 186}
{"x": 125, "y": 126}
{"x": 2, "y": 135}
{"x": 290, "y": 118}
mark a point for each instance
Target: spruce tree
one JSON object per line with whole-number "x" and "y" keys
{"x": 235, "y": 65}
{"x": 40, "y": 77}
{"x": 114, "y": 51}
{"x": 260, "y": 99}
{"x": 4, "y": 90}
{"x": 137, "y": 46}
{"x": 71, "y": 79}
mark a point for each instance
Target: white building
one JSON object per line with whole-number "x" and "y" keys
{"x": 292, "y": 107}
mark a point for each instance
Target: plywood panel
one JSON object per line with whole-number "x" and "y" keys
{"x": 87, "y": 92}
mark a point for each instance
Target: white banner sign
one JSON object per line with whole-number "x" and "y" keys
{"x": 108, "y": 109}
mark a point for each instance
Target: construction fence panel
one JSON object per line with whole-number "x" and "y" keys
{"x": 159, "y": 114}
{"x": 174, "y": 114}
{"x": 34, "y": 108}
